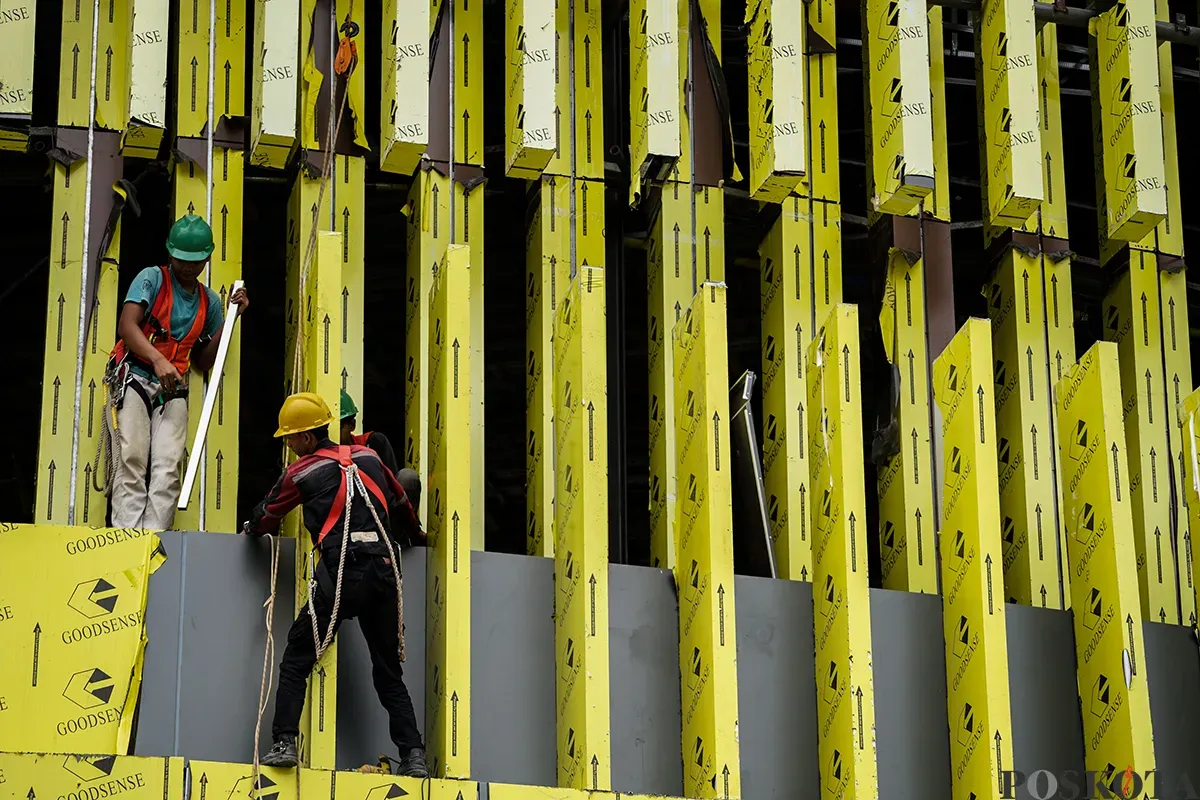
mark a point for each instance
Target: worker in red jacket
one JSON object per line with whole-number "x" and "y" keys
{"x": 383, "y": 446}
{"x": 357, "y": 514}
{"x": 170, "y": 322}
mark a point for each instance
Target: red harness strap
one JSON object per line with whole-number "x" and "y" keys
{"x": 156, "y": 326}
{"x": 342, "y": 455}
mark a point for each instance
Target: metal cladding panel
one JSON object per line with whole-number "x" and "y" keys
{"x": 205, "y": 642}
{"x": 512, "y": 669}
{"x": 1173, "y": 671}
{"x": 644, "y": 665}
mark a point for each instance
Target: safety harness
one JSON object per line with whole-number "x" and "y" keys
{"x": 156, "y": 326}
{"x": 361, "y": 438}
{"x": 353, "y": 481}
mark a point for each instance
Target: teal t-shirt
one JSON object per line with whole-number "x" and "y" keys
{"x": 185, "y": 306}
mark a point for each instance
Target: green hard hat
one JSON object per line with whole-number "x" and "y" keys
{"x": 348, "y": 407}
{"x": 191, "y": 239}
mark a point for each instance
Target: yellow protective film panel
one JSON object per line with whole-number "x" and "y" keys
{"x": 32, "y": 775}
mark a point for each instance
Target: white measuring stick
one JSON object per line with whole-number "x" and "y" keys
{"x": 210, "y": 400}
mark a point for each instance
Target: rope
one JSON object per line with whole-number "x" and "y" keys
{"x": 264, "y": 688}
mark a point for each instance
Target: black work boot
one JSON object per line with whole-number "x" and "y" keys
{"x": 282, "y": 754}
{"x": 413, "y": 765}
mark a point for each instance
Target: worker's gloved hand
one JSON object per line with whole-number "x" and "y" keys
{"x": 249, "y": 531}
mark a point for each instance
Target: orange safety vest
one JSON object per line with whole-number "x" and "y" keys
{"x": 156, "y": 326}
{"x": 360, "y": 439}
{"x": 342, "y": 455}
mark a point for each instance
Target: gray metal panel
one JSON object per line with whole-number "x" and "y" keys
{"x": 647, "y": 748}
{"x": 513, "y": 718}
{"x": 1043, "y": 689}
{"x": 908, "y": 655}
{"x": 777, "y": 693}
{"x": 362, "y": 723}
{"x": 212, "y": 596}
{"x": 1173, "y": 672}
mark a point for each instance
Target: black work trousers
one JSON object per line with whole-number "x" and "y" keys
{"x": 368, "y": 593}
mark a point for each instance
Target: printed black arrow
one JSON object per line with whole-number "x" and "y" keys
{"x": 1187, "y": 549}
{"x": 588, "y": 121}
{"x": 826, "y": 257}
{"x": 228, "y": 69}
{"x": 799, "y": 352}
{"x": 979, "y": 391}
{"x": 454, "y": 724}
{"x": 1171, "y": 305}
{"x": 803, "y": 513}
{"x": 584, "y": 193}
{"x": 1154, "y": 473}
{"x": 346, "y": 234}
{"x": 676, "y": 249}
{"x": 1025, "y": 278}
{"x": 796, "y": 260}
{"x": 326, "y": 323}
{"x": 321, "y": 698}
{"x": 858, "y": 698}
{"x": 50, "y": 492}
{"x": 853, "y": 544}
{"x": 677, "y": 308}
{"x": 31, "y": 795}
{"x": 595, "y": 772}
{"x": 721, "y": 611}
{"x": 591, "y": 431}
{"x": 62, "y": 259}
{"x": 96, "y": 337}
{"x": 456, "y": 348}
{"x": 466, "y": 133}
{"x": 846, "y": 370}
{"x": 1145, "y": 323}
{"x": 725, "y": 776}
{"x": 195, "y": 64}
{"x": 77, "y": 10}
{"x": 920, "y": 542}
{"x": 912, "y": 381}
{"x": 192, "y": 208}
{"x": 87, "y": 494}
{"x": 717, "y": 440}
{"x": 800, "y": 428}
{"x": 203, "y": 785}
{"x": 75, "y": 60}
{"x": 1176, "y": 381}
{"x": 345, "y": 313}
{"x": 587, "y": 62}
{"x": 91, "y": 404}
{"x": 1043, "y": 595}
{"x": 592, "y": 609}
{"x": 1129, "y": 633}
{"x": 707, "y": 253}
{"x": 1029, "y": 358}
{"x": 915, "y": 460}
{"x": 1049, "y": 196}
{"x": 61, "y": 302}
{"x": 466, "y": 59}
{"x": 108, "y": 54}
{"x": 820, "y": 66}
{"x": 454, "y": 519}
{"x": 37, "y": 650}
{"x": 54, "y": 417}
{"x": 1041, "y": 552}
{"x": 1149, "y": 397}
{"x": 1054, "y": 296}
{"x": 345, "y": 376}
{"x": 220, "y": 472}
{"x": 1162, "y": 614}
{"x": 988, "y": 561}
{"x": 804, "y": 573}
{"x": 1116, "y": 471}
{"x": 822, "y": 145}
{"x": 434, "y": 191}
{"x": 557, "y": 140}
{"x": 999, "y": 767}
{"x": 1033, "y": 433}
{"x": 1158, "y": 551}
{"x": 195, "y": 19}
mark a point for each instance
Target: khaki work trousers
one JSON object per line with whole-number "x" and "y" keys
{"x": 148, "y": 442}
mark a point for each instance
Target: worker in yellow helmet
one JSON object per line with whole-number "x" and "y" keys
{"x": 170, "y": 322}
{"x": 357, "y": 515}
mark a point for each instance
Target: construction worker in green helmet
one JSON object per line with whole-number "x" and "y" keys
{"x": 170, "y": 323}
{"x": 382, "y": 446}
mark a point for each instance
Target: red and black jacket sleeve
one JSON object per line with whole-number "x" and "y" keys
{"x": 283, "y": 497}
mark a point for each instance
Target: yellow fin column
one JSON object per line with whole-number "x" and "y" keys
{"x": 905, "y": 485}
{"x": 274, "y": 104}
{"x": 47, "y": 775}
{"x": 548, "y": 271}
{"x": 841, "y": 603}
{"x": 1132, "y": 321}
{"x": 777, "y": 88}
{"x": 147, "y": 67}
{"x": 581, "y": 533}
{"x": 656, "y": 57}
{"x": 1190, "y": 415}
{"x": 786, "y": 290}
{"x": 1025, "y": 445}
{"x": 16, "y": 73}
{"x": 404, "y": 117}
{"x": 821, "y": 188}
{"x": 972, "y": 584}
{"x": 448, "y": 637}
{"x": 670, "y": 288}
{"x": 1113, "y": 693}
{"x": 530, "y": 31}
{"x": 704, "y": 573}
{"x": 939, "y": 200}
{"x": 1006, "y": 70}
{"x": 899, "y": 132}
{"x": 1053, "y": 209}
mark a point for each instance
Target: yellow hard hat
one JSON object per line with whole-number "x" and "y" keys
{"x": 301, "y": 412}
